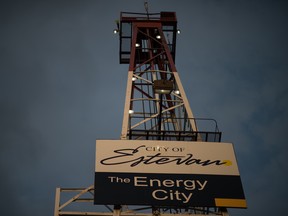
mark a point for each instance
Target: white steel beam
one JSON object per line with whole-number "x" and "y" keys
{"x": 127, "y": 106}
{"x": 185, "y": 100}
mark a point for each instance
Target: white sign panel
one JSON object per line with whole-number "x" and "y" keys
{"x": 165, "y": 157}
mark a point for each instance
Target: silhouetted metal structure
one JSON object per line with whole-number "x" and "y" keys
{"x": 156, "y": 106}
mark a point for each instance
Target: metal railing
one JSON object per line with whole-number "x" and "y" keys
{"x": 207, "y": 131}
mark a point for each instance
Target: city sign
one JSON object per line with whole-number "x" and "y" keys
{"x": 167, "y": 173}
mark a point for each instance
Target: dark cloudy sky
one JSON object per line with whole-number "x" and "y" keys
{"x": 62, "y": 87}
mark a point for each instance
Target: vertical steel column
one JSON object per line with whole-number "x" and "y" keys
{"x": 128, "y": 106}
{"x": 57, "y": 202}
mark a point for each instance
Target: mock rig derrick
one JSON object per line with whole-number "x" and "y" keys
{"x": 156, "y": 107}
{"x": 157, "y": 115}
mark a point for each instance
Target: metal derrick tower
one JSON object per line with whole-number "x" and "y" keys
{"x": 156, "y": 108}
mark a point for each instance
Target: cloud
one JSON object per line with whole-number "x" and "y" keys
{"x": 62, "y": 87}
